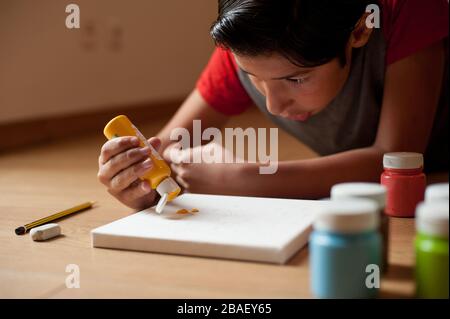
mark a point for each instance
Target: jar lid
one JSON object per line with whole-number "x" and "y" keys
{"x": 403, "y": 160}
{"x": 437, "y": 192}
{"x": 348, "y": 216}
{"x": 373, "y": 191}
{"x": 432, "y": 218}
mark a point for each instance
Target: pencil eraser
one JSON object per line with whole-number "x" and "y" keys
{"x": 45, "y": 232}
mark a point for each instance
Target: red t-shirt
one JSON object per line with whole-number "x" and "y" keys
{"x": 408, "y": 26}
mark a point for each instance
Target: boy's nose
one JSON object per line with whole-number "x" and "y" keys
{"x": 276, "y": 105}
{"x": 275, "y": 101}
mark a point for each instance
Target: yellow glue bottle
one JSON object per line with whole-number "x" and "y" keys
{"x": 159, "y": 176}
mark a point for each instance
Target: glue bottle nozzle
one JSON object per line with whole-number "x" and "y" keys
{"x": 161, "y": 203}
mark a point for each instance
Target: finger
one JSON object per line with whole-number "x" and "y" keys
{"x": 176, "y": 168}
{"x": 181, "y": 174}
{"x": 186, "y": 155}
{"x": 123, "y": 179}
{"x": 182, "y": 182}
{"x": 135, "y": 191}
{"x": 155, "y": 142}
{"x": 116, "y": 146}
{"x": 166, "y": 153}
{"x": 121, "y": 162}
{"x": 171, "y": 149}
{"x": 182, "y": 170}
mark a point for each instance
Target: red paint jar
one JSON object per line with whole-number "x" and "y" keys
{"x": 405, "y": 183}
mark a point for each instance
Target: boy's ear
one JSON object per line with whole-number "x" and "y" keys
{"x": 361, "y": 34}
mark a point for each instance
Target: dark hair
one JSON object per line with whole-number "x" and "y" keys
{"x": 307, "y": 32}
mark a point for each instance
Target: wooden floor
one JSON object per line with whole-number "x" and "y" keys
{"x": 38, "y": 180}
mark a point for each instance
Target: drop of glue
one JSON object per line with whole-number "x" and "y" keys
{"x": 162, "y": 203}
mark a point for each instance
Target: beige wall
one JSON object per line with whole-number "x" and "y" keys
{"x": 126, "y": 52}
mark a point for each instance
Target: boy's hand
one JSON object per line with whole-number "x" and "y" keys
{"x": 206, "y": 178}
{"x": 121, "y": 164}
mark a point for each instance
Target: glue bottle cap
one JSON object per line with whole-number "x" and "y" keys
{"x": 170, "y": 187}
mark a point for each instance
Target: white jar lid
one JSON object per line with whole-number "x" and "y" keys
{"x": 373, "y": 191}
{"x": 403, "y": 160}
{"x": 432, "y": 218}
{"x": 437, "y": 192}
{"x": 348, "y": 216}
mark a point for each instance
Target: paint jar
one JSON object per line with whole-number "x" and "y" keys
{"x": 431, "y": 247}
{"x": 437, "y": 192}
{"x": 345, "y": 250}
{"x": 377, "y": 193}
{"x": 405, "y": 183}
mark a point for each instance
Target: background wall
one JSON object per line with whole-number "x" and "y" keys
{"x": 125, "y": 53}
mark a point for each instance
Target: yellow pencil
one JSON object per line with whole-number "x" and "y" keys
{"x": 23, "y": 229}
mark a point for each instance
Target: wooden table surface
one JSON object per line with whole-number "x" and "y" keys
{"x": 40, "y": 180}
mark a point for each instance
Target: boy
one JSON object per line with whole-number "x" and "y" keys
{"x": 319, "y": 71}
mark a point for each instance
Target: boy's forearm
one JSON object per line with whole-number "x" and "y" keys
{"x": 313, "y": 178}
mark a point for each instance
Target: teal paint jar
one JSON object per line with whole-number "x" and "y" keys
{"x": 377, "y": 193}
{"x": 431, "y": 248}
{"x": 345, "y": 250}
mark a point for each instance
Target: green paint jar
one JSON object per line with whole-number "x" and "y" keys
{"x": 431, "y": 247}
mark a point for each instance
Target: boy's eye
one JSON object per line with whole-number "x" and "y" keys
{"x": 297, "y": 81}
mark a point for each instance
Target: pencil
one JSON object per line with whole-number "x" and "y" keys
{"x": 23, "y": 229}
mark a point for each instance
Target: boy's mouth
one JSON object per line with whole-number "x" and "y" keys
{"x": 298, "y": 117}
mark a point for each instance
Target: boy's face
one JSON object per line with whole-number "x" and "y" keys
{"x": 291, "y": 91}
{"x": 299, "y": 93}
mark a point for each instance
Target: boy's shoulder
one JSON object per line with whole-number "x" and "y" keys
{"x": 411, "y": 25}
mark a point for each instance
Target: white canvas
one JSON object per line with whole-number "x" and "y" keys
{"x": 244, "y": 228}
